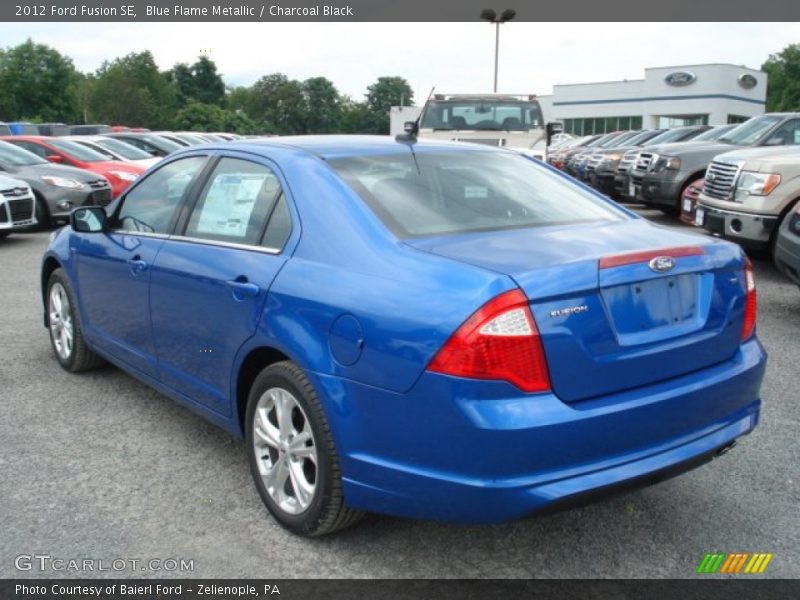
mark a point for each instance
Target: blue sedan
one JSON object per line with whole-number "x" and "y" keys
{"x": 433, "y": 330}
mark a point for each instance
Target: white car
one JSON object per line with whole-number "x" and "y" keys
{"x": 116, "y": 149}
{"x": 17, "y": 206}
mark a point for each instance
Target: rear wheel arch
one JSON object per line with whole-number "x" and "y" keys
{"x": 256, "y": 361}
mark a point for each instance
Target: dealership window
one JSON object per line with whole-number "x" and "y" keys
{"x": 732, "y": 119}
{"x": 668, "y": 122}
{"x": 591, "y": 126}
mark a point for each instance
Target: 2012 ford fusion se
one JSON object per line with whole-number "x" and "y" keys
{"x": 435, "y": 330}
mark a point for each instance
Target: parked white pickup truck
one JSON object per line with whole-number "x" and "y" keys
{"x": 511, "y": 121}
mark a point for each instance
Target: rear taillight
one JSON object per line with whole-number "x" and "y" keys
{"x": 750, "y": 302}
{"x": 499, "y": 341}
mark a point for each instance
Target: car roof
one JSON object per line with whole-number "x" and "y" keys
{"x": 28, "y": 138}
{"x": 334, "y": 146}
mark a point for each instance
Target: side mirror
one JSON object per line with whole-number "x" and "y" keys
{"x": 55, "y": 158}
{"x": 409, "y": 126}
{"x": 554, "y": 128}
{"x": 774, "y": 141}
{"x": 88, "y": 219}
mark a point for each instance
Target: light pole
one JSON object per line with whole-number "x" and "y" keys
{"x": 491, "y": 16}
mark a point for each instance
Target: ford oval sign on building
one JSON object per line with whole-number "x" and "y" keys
{"x": 747, "y": 81}
{"x": 679, "y": 78}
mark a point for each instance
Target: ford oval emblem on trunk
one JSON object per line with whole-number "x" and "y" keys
{"x": 662, "y": 264}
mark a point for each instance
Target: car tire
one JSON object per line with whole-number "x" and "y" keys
{"x": 63, "y": 323}
{"x": 292, "y": 455}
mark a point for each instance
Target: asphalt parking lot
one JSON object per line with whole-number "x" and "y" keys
{"x": 99, "y": 466}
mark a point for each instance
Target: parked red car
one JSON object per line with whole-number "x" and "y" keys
{"x": 689, "y": 201}
{"x": 119, "y": 174}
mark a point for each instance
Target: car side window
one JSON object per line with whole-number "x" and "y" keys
{"x": 150, "y": 206}
{"x": 279, "y": 227}
{"x": 238, "y": 198}
{"x": 787, "y": 134}
{"x": 35, "y": 148}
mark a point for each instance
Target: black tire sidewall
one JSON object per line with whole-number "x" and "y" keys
{"x": 282, "y": 376}
{"x": 58, "y": 277}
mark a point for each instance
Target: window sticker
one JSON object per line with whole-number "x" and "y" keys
{"x": 229, "y": 204}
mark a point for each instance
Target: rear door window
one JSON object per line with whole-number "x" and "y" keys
{"x": 236, "y": 203}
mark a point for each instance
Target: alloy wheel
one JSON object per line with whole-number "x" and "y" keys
{"x": 61, "y": 330}
{"x": 285, "y": 450}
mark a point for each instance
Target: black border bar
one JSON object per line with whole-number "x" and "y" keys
{"x": 703, "y": 587}
{"x": 394, "y": 10}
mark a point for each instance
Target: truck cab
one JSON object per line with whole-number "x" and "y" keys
{"x": 512, "y": 121}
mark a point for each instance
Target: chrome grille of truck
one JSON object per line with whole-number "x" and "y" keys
{"x": 644, "y": 160}
{"x": 594, "y": 160}
{"x": 720, "y": 180}
{"x": 626, "y": 162}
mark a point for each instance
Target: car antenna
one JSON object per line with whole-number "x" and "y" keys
{"x": 411, "y": 128}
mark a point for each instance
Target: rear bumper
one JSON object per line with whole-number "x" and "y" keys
{"x": 481, "y": 452}
{"x": 748, "y": 229}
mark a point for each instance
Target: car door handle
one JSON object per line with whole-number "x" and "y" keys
{"x": 137, "y": 264}
{"x": 242, "y": 288}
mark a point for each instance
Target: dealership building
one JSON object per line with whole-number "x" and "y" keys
{"x": 712, "y": 94}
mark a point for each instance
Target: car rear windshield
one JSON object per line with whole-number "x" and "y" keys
{"x": 482, "y": 114}
{"x": 12, "y": 155}
{"x": 77, "y": 151}
{"x": 440, "y": 193}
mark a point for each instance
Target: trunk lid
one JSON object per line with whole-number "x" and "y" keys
{"x": 608, "y": 321}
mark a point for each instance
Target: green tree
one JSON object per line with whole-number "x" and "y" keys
{"x": 132, "y": 91}
{"x": 208, "y": 84}
{"x": 324, "y": 109}
{"x": 182, "y": 78}
{"x": 197, "y": 116}
{"x": 199, "y": 82}
{"x": 783, "y": 85}
{"x": 37, "y": 80}
{"x": 278, "y": 105}
{"x": 354, "y": 117}
{"x": 381, "y": 96}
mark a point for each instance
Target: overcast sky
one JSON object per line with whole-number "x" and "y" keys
{"x": 455, "y": 57}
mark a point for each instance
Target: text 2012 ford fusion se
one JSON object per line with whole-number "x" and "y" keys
{"x": 434, "y": 330}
